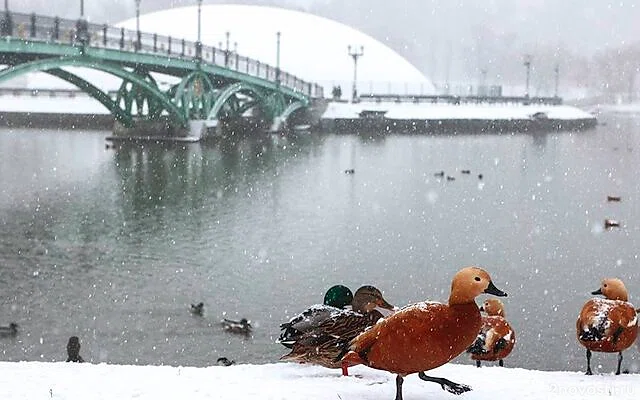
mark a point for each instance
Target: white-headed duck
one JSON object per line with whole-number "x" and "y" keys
{"x": 496, "y": 339}
{"x": 608, "y": 325}
{"x": 73, "y": 350}
{"x": 11, "y": 330}
{"x": 398, "y": 343}
{"x": 323, "y": 343}
{"x": 242, "y": 327}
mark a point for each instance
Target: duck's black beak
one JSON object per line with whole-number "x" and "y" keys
{"x": 492, "y": 289}
{"x": 599, "y": 291}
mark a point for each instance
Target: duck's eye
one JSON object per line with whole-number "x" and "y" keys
{"x": 477, "y": 278}
{"x": 605, "y": 285}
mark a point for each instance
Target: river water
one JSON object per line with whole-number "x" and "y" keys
{"x": 113, "y": 245}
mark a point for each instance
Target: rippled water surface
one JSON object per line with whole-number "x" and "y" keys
{"x": 113, "y": 245}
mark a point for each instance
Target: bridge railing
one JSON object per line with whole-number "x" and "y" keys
{"x": 58, "y": 30}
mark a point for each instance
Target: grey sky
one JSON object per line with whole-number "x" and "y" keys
{"x": 446, "y": 39}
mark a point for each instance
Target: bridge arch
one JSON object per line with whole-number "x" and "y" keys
{"x": 94, "y": 92}
{"x": 230, "y": 91}
{"x": 47, "y": 64}
{"x": 195, "y": 94}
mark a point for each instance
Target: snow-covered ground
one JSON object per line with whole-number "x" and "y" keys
{"x": 87, "y": 105}
{"x": 628, "y": 108}
{"x": 45, "y": 104}
{"x": 68, "y": 381}
{"x": 337, "y": 110}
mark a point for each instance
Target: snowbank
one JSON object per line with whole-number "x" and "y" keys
{"x": 35, "y": 380}
{"x": 337, "y": 110}
{"x": 312, "y": 47}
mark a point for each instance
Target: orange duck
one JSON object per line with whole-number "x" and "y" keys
{"x": 496, "y": 338}
{"x": 426, "y": 335}
{"x": 608, "y": 325}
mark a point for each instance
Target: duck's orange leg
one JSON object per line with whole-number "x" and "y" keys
{"x": 345, "y": 366}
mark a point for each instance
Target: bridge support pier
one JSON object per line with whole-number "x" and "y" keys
{"x": 160, "y": 127}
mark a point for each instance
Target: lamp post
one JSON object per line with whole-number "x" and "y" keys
{"x": 278, "y": 59}
{"x": 138, "y": 45}
{"x": 6, "y": 27}
{"x": 226, "y": 52}
{"x": 483, "y": 82}
{"x": 355, "y": 54}
{"x": 527, "y": 65}
{"x": 556, "y": 70}
{"x": 199, "y": 42}
{"x": 82, "y": 27}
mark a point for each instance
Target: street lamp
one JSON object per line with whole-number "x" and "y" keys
{"x": 557, "y": 76}
{"x": 199, "y": 42}
{"x": 355, "y": 54}
{"x": 6, "y": 26}
{"x": 138, "y": 43}
{"x": 278, "y": 59}
{"x": 226, "y": 53}
{"x": 527, "y": 64}
{"x": 82, "y": 27}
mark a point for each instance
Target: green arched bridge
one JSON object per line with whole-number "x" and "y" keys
{"x": 212, "y": 84}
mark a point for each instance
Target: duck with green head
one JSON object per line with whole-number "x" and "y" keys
{"x": 318, "y": 335}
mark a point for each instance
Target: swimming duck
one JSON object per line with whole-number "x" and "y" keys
{"x": 335, "y": 299}
{"x": 323, "y": 344}
{"x": 73, "y": 350}
{"x": 197, "y": 309}
{"x": 611, "y": 223}
{"x": 225, "y": 362}
{"x": 426, "y": 335}
{"x": 614, "y": 198}
{"x": 608, "y": 325}
{"x": 439, "y": 174}
{"x": 496, "y": 338}
{"x": 242, "y": 327}
{"x": 11, "y": 330}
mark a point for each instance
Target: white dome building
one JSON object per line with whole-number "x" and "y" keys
{"x": 312, "y": 48}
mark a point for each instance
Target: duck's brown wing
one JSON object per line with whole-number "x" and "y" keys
{"x": 324, "y": 344}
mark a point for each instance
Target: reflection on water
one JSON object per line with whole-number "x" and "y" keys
{"x": 114, "y": 245}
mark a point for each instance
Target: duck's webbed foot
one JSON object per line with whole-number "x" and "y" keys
{"x": 451, "y": 387}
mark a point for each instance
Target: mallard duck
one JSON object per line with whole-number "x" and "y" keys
{"x": 225, "y": 362}
{"x": 323, "y": 343}
{"x": 73, "y": 350}
{"x": 242, "y": 327}
{"x": 10, "y": 330}
{"x": 197, "y": 309}
{"x": 426, "y": 335}
{"x": 335, "y": 299}
{"x": 608, "y": 325}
